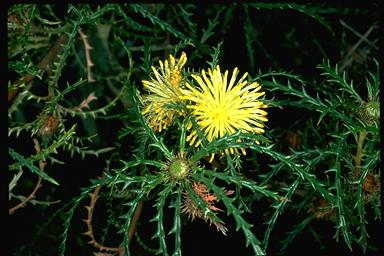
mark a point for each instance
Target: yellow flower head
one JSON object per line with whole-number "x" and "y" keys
{"x": 164, "y": 92}
{"x": 222, "y": 108}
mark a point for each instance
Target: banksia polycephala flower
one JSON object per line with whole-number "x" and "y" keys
{"x": 222, "y": 107}
{"x": 160, "y": 105}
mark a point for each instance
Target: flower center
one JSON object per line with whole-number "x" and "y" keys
{"x": 220, "y": 115}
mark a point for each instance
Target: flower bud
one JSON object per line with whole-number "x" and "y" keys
{"x": 48, "y": 124}
{"x": 179, "y": 168}
{"x": 370, "y": 111}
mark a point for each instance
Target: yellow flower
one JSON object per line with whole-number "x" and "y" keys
{"x": 159, "y": 106}
{"x": 222, "y": 108}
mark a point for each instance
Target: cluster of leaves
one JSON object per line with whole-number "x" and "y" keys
{"x": 346, "y": 155}
{"x": 96, "y": 57}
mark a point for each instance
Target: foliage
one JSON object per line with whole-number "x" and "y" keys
{"x": 77, "y": 123}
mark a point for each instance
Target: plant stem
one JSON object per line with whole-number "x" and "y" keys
{"x": 32, "y": 195}
{"x": 359, "y": 151}
{"x": 135, "y": 219}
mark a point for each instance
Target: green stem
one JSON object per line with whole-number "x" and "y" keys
{"x": 359, "y": 151}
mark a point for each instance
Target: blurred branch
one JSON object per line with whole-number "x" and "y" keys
{"x": 358, "y": 34}
{"x": 43, "y": 64}
{"x": 353, "y": 49}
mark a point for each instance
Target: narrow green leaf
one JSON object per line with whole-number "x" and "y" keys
{"x": 21, "y": 161}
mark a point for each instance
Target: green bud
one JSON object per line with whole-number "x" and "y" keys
{"x": 373, "y": 110}
{"x": 179, "y": 168}
{"x": 370, "y": 111}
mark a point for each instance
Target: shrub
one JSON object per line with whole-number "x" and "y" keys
{"x": 183, "y": 124}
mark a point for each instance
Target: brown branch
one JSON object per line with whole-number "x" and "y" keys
{"x": 94, "y": 196}
{"x": 87, "y": 48}
{"x": 131, "y": 230}
{"x": 38, "y": 185}
{"x": 85, "y": 102}
{"x": 135, "y": 219}
{"x": 48, "y": 58}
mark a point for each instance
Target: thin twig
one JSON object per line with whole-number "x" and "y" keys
{"x": 32, "y": 195}
{"x": 131, "y": 230}
{"x": 87, "y": 48}
{"x": 353, "y": 49}
{"x": 358, "y": 34}
{"x": 85, "y": 102}
{"x": 90, "y": 208}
